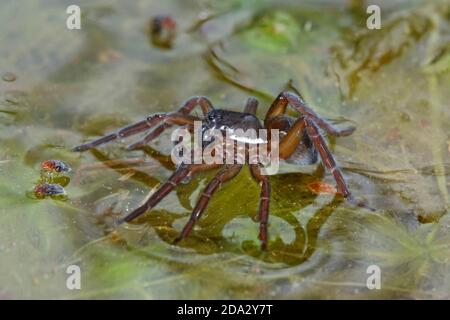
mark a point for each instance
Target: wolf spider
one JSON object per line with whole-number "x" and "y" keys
{"x": 301, "y": 142}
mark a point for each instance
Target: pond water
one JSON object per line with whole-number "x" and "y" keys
{"x": 60, "y": 88}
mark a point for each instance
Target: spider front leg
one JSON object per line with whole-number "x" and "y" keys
{"x": 293, "y": 137}
{"x": 327, "y": 158}
{"x": 280, "y": 104}
{"x": 264, "y": 200}
{"x": 223, "y": 176}
{"x": 143, "y": 125}
{"x": 185, "y": 109}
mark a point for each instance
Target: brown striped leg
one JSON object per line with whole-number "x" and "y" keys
{"x": 149, "y": 137}
{"x": 182, "y": 172}
{"x": 330, "y": 163}
{"x": 327, "y": 157}
{"x": 251, "y": 105}
{"x": 149, "y": 122}
{"x": 191, "y": 103}
{"x": 264, "y": 200}
{"x": 227, "y": 174}
{"x": 278, "y": 107}
{"x": 185, "y": 108}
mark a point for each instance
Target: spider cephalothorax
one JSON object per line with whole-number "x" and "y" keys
{"x": 300, "y": 142}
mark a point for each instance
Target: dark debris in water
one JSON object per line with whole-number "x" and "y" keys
{"x": 162, "y": 30}
{"x": 48, "y": 189}
{"x": 53, "y": 178}
{"x": 56, "y": 166}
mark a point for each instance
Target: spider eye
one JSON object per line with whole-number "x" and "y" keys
{"x": 218, "y": 116}
{"x": 214, "y": 117}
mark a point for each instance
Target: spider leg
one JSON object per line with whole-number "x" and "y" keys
{"x": 264, "y": 200}
{"x": 226, "y": 174}
{"x": 327, "y": 158}
{"x": 330, "y": 163}
{"x": 251, "y": 105}
{"x": 149, "y": 122}
{"x": 149, "y": 137}
{"x": 191, "y": 103}
{"x": 278, "y": 107}
{"x": 174, "y": 180}
{"x": 185, "y": 109}
{"x": 292, "y": 139}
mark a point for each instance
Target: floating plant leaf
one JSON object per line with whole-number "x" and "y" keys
{"x": 276, "y": 32}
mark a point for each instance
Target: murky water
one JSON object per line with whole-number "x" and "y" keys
{"x": 59, "y": 88}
